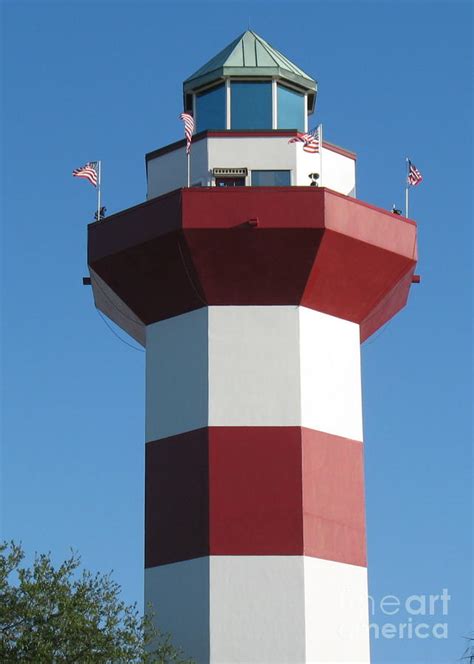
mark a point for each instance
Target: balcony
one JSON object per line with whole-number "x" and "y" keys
{"x": 206, "y": 246}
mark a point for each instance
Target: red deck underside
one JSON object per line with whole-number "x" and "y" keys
{"x": 311, "y": 247}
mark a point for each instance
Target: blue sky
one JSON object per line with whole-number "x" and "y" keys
{"x": 86, "y": 80}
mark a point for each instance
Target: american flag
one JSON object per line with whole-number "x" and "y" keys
{"x": 89, "y": 172}
{"x": 414, "y": 176}
{"x": 188, "y": 129}
{"x": 310, "y": 140}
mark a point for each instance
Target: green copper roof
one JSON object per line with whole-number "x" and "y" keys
{"x": 248, "y": 55}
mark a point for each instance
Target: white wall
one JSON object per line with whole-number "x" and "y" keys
{"x": 336, "y": 612}
{"x": 338, "y": 171}
{"x": 253, "y": 366}
{"x": 257, "y": 610}
{"x": 179, "y": 595}
{"x": 169, "y": 171}
{"x": 259, "y": 153}
{"x": 263, "y": 609}
{"x": 176, "y": 375}
{"x": 331, "y": 389}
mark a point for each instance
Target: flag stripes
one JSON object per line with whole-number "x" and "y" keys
{"x": 414, "y": 176}
{"x": 310, "y": 140}
{"x": 89, "y": 171}
{"x": 188, "y": 120}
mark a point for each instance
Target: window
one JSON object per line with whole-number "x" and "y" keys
{"x": 251, "y": 104}
{"x": 271, "y": 179}
{"x": 210, "y": 108}
{"x": 230, "y": 182}
{"x": 290, "y": 109}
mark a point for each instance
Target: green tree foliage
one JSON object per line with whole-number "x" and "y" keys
{"x": 59, "y": 615}
{"x": 468, "y": 655}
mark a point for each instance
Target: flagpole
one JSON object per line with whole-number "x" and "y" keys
{"x": 99, "y": 175}
{"x": 320, "y": 155}
{"x": 188, "y": 153}
{"x": 406, "y": 189}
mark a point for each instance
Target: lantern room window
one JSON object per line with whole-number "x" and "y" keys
{"x": 210, "y": 108}
{"x": 251, "y": 104}
{"x": 291, "y": 108}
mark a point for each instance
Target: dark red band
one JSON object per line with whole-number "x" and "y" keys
{"x": 254, "y": 491}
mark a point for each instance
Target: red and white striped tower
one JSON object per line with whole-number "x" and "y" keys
{"x": 252, "y": 302}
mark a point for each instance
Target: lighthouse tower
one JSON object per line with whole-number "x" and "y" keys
{"x": 252, "y": 292}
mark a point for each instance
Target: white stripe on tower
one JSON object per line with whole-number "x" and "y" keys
{"x": 253, "y": 366}
{"x": 255, "y": 534}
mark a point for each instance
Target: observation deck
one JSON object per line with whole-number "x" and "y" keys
{"x": 204, "y": 246}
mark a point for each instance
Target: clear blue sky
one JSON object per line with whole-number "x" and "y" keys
{"x": 84, "y": 81}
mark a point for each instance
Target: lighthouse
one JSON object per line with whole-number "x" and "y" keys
{"x": 252, "y": 290}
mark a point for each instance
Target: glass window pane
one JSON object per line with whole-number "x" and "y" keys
{"x": 290, "y": 109}
{"x": 251, "y": 104}
{"x": 271, "y": 179}
{"x": 210, "y": 108}
{"x": 230, "y": 182}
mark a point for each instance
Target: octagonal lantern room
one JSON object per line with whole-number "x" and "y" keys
{"x": 250, "y": 85}
{"x": 249, "y": 103}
